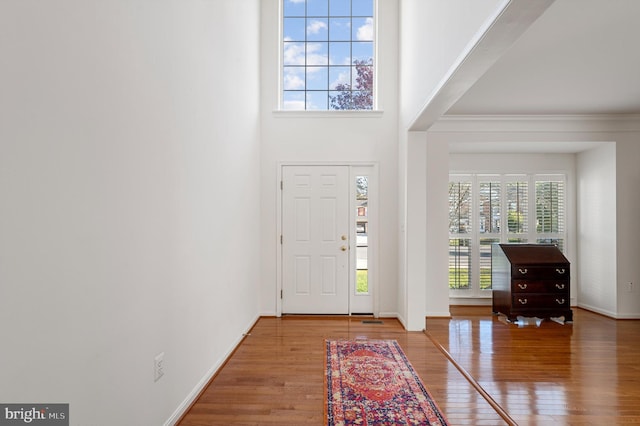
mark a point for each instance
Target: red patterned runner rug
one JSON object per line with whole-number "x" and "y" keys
{"x": 371, "y": 382}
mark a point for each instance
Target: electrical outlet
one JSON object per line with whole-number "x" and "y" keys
{"x": 158, "y": 366}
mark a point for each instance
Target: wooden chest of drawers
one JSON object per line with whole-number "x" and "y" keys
{"x": 530, "y": 280}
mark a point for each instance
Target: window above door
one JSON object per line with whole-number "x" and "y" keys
{"x": 328, "y": 55}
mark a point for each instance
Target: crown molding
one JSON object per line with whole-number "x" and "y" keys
{"x": 609, "y": 123}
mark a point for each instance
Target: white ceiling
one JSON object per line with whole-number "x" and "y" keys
{"x": 579, "y": 57}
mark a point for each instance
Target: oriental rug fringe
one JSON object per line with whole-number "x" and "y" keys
{"x": 371, "y": 382}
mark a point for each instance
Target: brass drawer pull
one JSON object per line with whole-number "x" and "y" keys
{"x": 522, "y": 271}
{"x": 522, "y": 301}
{"x": 523, "y": 286}
{"x": 560, "y": 301}
{"x": 560, "y": 270}
{"x": 560, "y": 286}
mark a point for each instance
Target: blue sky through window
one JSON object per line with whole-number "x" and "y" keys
{"x": 322, "y": 39}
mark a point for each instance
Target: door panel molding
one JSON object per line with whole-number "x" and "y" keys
{"x": 314, "y": 216}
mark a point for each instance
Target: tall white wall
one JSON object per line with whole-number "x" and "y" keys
{"x": 129, "y": 192}
{"x": 331, "y": 137}
{"x": 436, "y": 36}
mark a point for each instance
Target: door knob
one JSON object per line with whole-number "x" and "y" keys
{"x": 344, "y": 237}
{"x": 343, "y": 248}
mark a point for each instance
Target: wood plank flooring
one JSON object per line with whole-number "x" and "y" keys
{"x": 585, "y": 373}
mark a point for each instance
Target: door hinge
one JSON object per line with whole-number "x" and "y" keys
{"x": 280, "y": 294}
{"x": 280, "y": 238}
{"x": 281, "y": 185}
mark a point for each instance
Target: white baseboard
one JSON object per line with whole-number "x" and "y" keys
{"x": 441, "y": 314}
{"x": 597, "y": 310}
{"x": 609, "y": 314}
{"x": 470, "y": 301}
{"x": 628, "y": 316}
{"x": 204, "y": 381}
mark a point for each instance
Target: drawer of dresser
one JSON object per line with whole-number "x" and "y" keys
{"x": 540, "y": 301}
{"x": 540, "y": 286}
{"x": 544, "y": 272}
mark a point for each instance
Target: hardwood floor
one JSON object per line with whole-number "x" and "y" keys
{"x": 585, "y": 373}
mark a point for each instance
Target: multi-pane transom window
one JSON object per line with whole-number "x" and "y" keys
{"x": 489, "y": 209}
{"x": 327, "y": 54}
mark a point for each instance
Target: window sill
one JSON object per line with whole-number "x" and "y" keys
{"x": 328, "y": 114}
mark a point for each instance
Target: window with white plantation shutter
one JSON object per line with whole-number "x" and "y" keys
{"x": 460, "y": 228}
{"x": 484, "y": 261}
{"x": 489, "y": 213}
{"x": 550, "y": 212}
{"x": 489, "y": 209}
{"x": 517, "y": 198}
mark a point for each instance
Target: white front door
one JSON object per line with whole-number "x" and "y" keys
{"x": 315, "y": 239}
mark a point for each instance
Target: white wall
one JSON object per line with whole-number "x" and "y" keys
{"x": 331, "y": 137}
{"x": 412, "y": 309}
{"x": 597, "y": 229}
{"x": 129, "y": 170}
{"x": 608, "y": 240}
{"x": 437, "y": 236}
{"x": 423, "y": 288}
{"x": 628, "y": 226}
{"x": 436, "y": 35}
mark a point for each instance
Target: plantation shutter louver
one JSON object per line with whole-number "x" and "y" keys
{"x": 459, "y": 229}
